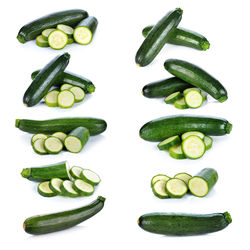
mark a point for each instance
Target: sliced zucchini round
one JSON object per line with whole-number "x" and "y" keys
{"x": 159, "y": 189}
{"x": 83, "y": 188}
{"x": 198, "y": 186}
{"x": 65, "y": 86}
{"x": 51, "y": 98}
{"x": 180, "y": 104}
{"x": 41, "y": 42}
{"x": 173, "y": 97}
{"x": 57, "y": 39}
{"x": 169, "y": 142}
{"x": 66, "y": 99}
{"x": 197, "y": 133}
{"x": 38, "y": 136}
{"x": 60, "y": 135}
{"x": 158, "y": 177}
{"x": 176, "y": 152}
{"x": 176, "y": 188}
{"x": 78, "y": 93}
{"x": 193, "y": 147}
{"x": 68, "y": 189}
{"x": 75, "y": 172}
{"x": 189, "y": 89}
{"x": 184, "y": 177}
{"x": 90, "y": 177}
{"x": 38, "y": 146}
{"x": 66, "y": 29}
{"x": 55, "y": 185}
{"x": 82, "y": 35}
{"x": 45, "y": 33}
{"x": 208, "y": 142}
{"x": 53, "y": 145}
{"x": 44, "y": 189}
{"x": 193, "y": 99}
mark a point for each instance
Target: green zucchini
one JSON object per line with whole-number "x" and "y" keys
{"x": 164, "y": 127}
{"x": 78, "y": 93}
{"x": 68, "y": 189}
{"x": 184, "y": 177}
{"x": 157, "y": 38}
{"x": 184, "y": 37}
{"x": 66, "y": 29}
{"x": 76, "y": 139}
{"x": 57, "y": 39}
{"x": 176, "y": 152}
{"x": 196, "y": 76}
{"x": 60, "y": 135}
{"x": 193, "y": 99}
{"x": 47, "y": 172}
{"x": 75, "y": 172}
{"x": 173, "y": 97}
{"x": 55, "y": 185}
{"x": 208, "y": 142}
{"x": 53, "y": 145}
{"x": 184, "y": 224}
{"x": 46, "y": 32}
{"x": 94, "y": 125}
{"x": 41, "y": 42}
{"x": 158, "y": 177}
{"x": 49, "y": 223}
{"x": 159, "y": 189}
{"x": 65, "y": 99}
{"x": 38, "y": 136}
{"x": 83, "y": 188}
{"x": 72, "y": 79}
{"x": 51, "y": 98}
{"x": 197, "y": 133}
{"x": 90, "y": 177}
{"x": 69, "y": 17}
{"x": 45, "y": 190}
{"x": 45, "y": 79}
{"x": 85, "y": 30}
{"x": 38, "y": 146}
{"x": 180, "y": 103}
{"x": 164, "y": 87}
{"x": 176, "y": 188}
{"x": 169, "y": 142}
{"x": 200, "y": 184}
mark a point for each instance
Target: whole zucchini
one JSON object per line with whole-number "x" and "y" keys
{"x": 157, "y": 38}
{"x": 94, "y": 125}
{"x": 48, "y": 223}
{"x": 69, "y": 17}
{"x": 45, "y": 79}
{"x": 196, "y": 76}
{"x": 165, "y": 127}
{"x": 184, "y": 224}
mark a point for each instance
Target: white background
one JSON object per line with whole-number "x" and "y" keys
{"x": 125, "y": 162}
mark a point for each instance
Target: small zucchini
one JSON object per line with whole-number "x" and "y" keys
{"x": 83, "y": 188}
{"x": 90, "y": 177}
{"x": 176, "y": 188}
{"x": 45, "y": 190}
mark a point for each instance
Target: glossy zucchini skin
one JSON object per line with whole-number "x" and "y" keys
{"x": 157, "y": 38}
{"x": 164, "y": 87}
{"x": 43, "y": 224}
{"x": 165, "y": 127}
{"x": 184, "y": 224}
{"x": 32, "y": 29}
{"x": 46, "y": 78}
{"x": 73, "y": 79}
{"x": 184, "y": 37}
{"x": 196, "y": 76}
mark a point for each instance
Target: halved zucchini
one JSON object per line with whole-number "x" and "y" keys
{"x": 158, "y": 177}
{"x": 66, "y": 99}
{"x": 176, "y": 188}
{"x": 41, "y": 42}
{"x": 176, "y": 152}
{"x": 68, "y": 189}
{"x": 75, "y": 172}
{"x": 53, "y": 145}
{"x": 169, "y": 142}
{"x": 51, "y": 98}
{"x": 83, "y": 188}
{"x": 90, "y": 177}
{"x": 38, "y": 146}
{"x": 44, "y": 189}
{"x": 55, "y": 185}
{"x": 197, "y": 133}
{"x": 78, "y": 93}
{"x": 172, "y": 97}
{"x": 159, "y": 189}
{"x": 193, "y": 99}
{"x": 57, "y": 39}
{"x": 66, "y": 29}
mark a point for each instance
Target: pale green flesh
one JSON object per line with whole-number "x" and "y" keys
{"x": 39, "y": 146}
{"x": 91, "y": 176}
{"x": 66, "y": 29}
{"x": 193, "y": 147}
{"x": 193, "y": 99}
{"x": 57, "y": 39}
{"x": 84, "y": 186}
{"x": 82, "y": 35}
{"x": 187, "y": 134}
{"x": 172, "y": 97}
{"x": 77, "y": 171}
{"x": 38, "y": 136}
{"x": 180, "y": 104}
{"x": 65, "y": 86}
{"x": 51, "y": 98}
{"x": 56, "y": 184}
{"x": 78, "y": 93}
{"x": 176, "y": 152}
{"x": 73, "y": 144}
{"x": 198, "y": 186}
{"x": 60, "y": 135}
{"x": 189, "y": 89}
{"x": 208, "y": 142}
{"x": 53, "y": 144}
{"x": 41, "y": 42}
{"x": 176, "y": 187}
{"x": 160, "y": 188}
{"x": 45, "y": 33}
{"x": 65, "y": 99}
{"x": 158, "y": 178}
{"x": 184, "y": 177}
{"x": 68, "y": 186}
{"x": 168, "y": 140}
{"x": 44, "y": 188}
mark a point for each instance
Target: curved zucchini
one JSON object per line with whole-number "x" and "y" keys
{"x": 48, "y": 223}
{"x": 196, "y": 76}
{"x": 46, "y": 78}
{"x": 157, "y": 38}
{"x": 184, "y": 224}
{"x": 165, "y": 127}
{"x": 69, "y": 17}
{"x": 94, "y": 125}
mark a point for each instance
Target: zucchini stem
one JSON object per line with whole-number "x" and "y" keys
{"x": 229, "y": 127}
{"x": 20, "y": 39}
{"x": 17, "y": 122}
{"x": 228, "y": 217}
{"x": 25, "y": 172}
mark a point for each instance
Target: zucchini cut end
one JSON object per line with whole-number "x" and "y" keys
{"x": 205, "y": 45}
{"x": 222, "y": 99}
{"x": 25, "y": 172}
{"x": 91, "y": 89}
{"x": 17, "y": 122}
{"x": 21, "y": 39}
{"x": 101, "y": 198}
{"x": 229, "y": 127}
{"x": 228, "y": 217}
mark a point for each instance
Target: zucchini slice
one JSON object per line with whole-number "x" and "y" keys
{"x": 197, "y": 133}
{"x": 83, "y": 188}
{"x": 38, "y": 146}
{"x": 45, "y": 34}
{"x": 60, "y": 135}
{"x": 55, "y": 185}
{"x": 169, "y": 142}
{"x": 159, "y": 189}
{"x": 77, "y": 139}
{"x": 208, "y": 142}
{"x": 184, "y": 177}
{"x": 53, "y": 145}
{"x": 51, "y": 98}
{"x": 176, "y": 152}
{"x": 65, "y": 86}
{"x": 189, "y": 89}
{"x": 41, "y": 42}
{"x": 173, "y": 97}
{"x": 75, "y": 172}
{"x": 181, "y": 104}
{"x": 158, "y": 177}
{"x": 68, "y": 189}
{"x": 44, "y": 189}
{"x": 78, "y": 93}
{"x": 176, "y": 188}
{"x": 38, "y": 136}
{"x": 65, "y": 99}
{"x": 193, "y": 99}
{"x": 66, "y": 29}
{"x": 90, "y": 177}
{"x": 193, "y": 147}
{"x": 57, "y": 39}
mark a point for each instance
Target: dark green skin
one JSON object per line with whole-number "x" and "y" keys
{"x": 73, "y": 79}
{"x": 69, "y": 17}
{"x": 184, "y": 224}
{"x": 196, "y": 76}
{"x": 49, "y": 223}
{"x": 184, "y": 37}
{"x": 210, "y": 175}
{"x": 165, "y": 127}
{"x": 165, "y": 87}
{"x": 47, "y": 172}
{"x": 90, "y": 22}
{"x": 45, "y": 79}
{"x": 157, "y": 38}
{"x": 81, "y": 133}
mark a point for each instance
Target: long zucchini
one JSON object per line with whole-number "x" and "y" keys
{"x": 32, "y": 29}
{"x": 157, "y": 38}
{"x": 184, "y": 224}
{"x": 165, "y": 127}
{"x": 94, "y": 125}
{"x": 48, "y": 223}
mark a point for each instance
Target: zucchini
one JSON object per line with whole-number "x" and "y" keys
{"x": 68, "y": 189}
{"x": 41, "y": 42}
{"x": 46, "y": 32}
{"x": 38, "y": 146}
{"x": 45, "y": 79}
{"x": 158, "y": 177}
{"x": 184, "y": 224}
{"x": 48, "y": 223}
{"x": 75, "y": 172}
{"x": 164, "y": 87}
{"x": 173, "y": 97}
{"x": 57, "y": 39}
{"x": 78, "y": 93}
{"x": 184, "y": 37}
{"x": 169, "y": 142}
{"x": 66, "y": 29}
{"x": 55, "y": 185}
{"x": 196, "y": 76}
{"x": 65, "y": 99}
{"x": 44, "y": 189}
{"x": 47, "y": 172}
{"x": 85, "y": 30}
{"x": 53, "y": 145}
{"x": 193, "y": 99}
{"x": 51, "y": 98}
{"x": 208, "y": 142}
{"x": 176, "y": 152}
{"x": 94, "y": 125}
{"x": 157, "y": 38}
{"x": 164, "y": 127}
{"x": 181, "y": 104}
{"x": 189, "y": 89}
{"x": 200, "y": 184}
{"x": 184, "y": 177}
{"x": 90, "y": 177}
{"x": 38, "y": 136}
{"x": 76, "y": 139}
{"x": 197, "y": 133}
{"x": 65, "y": 86}
{"x": 83, "y": 188}
{"x": 72, "y": 79}
{"x": 159, "y": 189}
{"x": 60, "y": 135}
{"x": 176, "y": 188}
{"x": 69, "y": 17}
